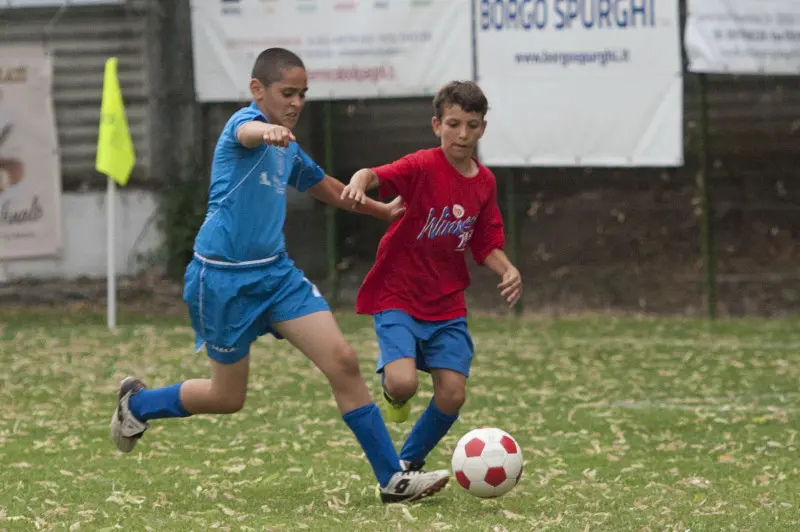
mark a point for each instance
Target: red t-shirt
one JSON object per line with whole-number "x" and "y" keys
{"x": 420, "y": 266}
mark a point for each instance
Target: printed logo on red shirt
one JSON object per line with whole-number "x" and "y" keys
{"x": 449, "y": 225}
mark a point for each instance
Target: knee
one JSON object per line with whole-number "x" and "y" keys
{"x": 344, "y": 362}
{"x": 401, "y": 386}
{"x": 230, "y": 404}
{"x": 449, "y": 399}
{"x": 222, "y": 401}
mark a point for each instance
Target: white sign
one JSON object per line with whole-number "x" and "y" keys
{"x": 351, "y": 49}
{"x": 30, "y": 178}
{"x": 743, "y": 36}
{"x": 581, "y": 82}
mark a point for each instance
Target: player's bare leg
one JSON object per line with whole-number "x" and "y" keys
{"x": 318, "y": 336}
{"x": 399, "y": 386}
{"x": 449, "y": 391}
{"x": 223, "y": 393}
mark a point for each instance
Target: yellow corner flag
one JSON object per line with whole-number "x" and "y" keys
{"x": 115, "y": 155}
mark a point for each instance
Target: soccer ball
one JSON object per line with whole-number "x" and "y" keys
{"x": 487, "y": 462}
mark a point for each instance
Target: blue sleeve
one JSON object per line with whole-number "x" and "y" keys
{"x": 242, "y": 116}
{"x": 305, "y": 172}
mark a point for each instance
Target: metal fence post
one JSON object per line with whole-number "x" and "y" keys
{"x": 511, "y": 225}
{"x": 706, "y": 206}
{"x": 331, "y": 236}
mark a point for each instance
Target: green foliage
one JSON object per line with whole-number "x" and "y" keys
{"x": 182, "y": 209}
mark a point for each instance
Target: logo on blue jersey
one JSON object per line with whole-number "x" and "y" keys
{"x": 449, "y": 224}
{"x": 273, "y": 181}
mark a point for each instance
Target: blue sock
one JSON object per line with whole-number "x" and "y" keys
{"x": 370, "y": 430}
{"x": 431, "y": 427}
{"x": 158, "y": 403}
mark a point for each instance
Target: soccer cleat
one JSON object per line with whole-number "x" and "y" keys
{"x": 397, "y": 412}
{"x": 407, "y": 486}
{"x": 411, "y": 466}
{"x": 125, "y": 428}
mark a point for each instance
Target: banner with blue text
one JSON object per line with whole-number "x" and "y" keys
{"x": 351, "y": 49}
{"x": 581, "y": 82}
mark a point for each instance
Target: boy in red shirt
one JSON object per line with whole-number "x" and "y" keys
{"x": 415, "y": 290}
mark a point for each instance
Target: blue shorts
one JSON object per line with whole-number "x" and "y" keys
{"x": 232, "y": 305}
{"x": 434, "y": 344}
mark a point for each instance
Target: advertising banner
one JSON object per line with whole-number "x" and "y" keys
{"x": 351, "y": 49}
{"x": 30, "y": 178}
{"x": 581, "y": 82}
{"x": 743, "y": 36}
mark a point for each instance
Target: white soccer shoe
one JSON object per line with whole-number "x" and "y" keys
{"x": 125, "y": 428}
{"x": 407, "y": 486}
{"x": 406, "y": 465}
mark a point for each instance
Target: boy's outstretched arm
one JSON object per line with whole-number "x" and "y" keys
{"x": 363, "y": 180}
{"x": 332, "y": 192}
{"x": 252, "y": 134}
{"x": 511, "y": 283}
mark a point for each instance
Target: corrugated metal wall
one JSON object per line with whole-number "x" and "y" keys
{"x": 81, "y": 38}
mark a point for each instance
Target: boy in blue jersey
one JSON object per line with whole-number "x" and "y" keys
{"x": 241, "y": 284}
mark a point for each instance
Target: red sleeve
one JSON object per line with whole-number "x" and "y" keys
{"x": 488, "y": 235}
{"x": 396, "y": 178}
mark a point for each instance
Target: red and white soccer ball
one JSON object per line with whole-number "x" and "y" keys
{"x": 487, "y": 462}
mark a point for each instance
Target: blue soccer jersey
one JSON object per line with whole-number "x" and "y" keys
{"x": 247, "y": 198}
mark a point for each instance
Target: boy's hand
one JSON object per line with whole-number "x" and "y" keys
{"x": 278, "y": 136}
{"x": 354, "y": 191}
{"x": 395, "y": 209}
{"x": 511, "y": 286}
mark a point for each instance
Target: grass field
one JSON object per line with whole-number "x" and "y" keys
{"x": 626, "y": 424}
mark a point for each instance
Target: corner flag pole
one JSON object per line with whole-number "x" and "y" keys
{"x": 115, "y": 159}
{"x": 111, "y": 275}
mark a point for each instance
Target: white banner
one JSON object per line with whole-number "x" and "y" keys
{"x": 30, "y": 178}
{"x": 351, "y": 49}
{"x": 581, "y": 82}
{"x": 743, "y": 36}
{"x": 55, "y": 3}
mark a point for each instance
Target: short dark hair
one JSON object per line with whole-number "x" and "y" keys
{"x": 465, "y": 94}
{"x": 271, "y": 63}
